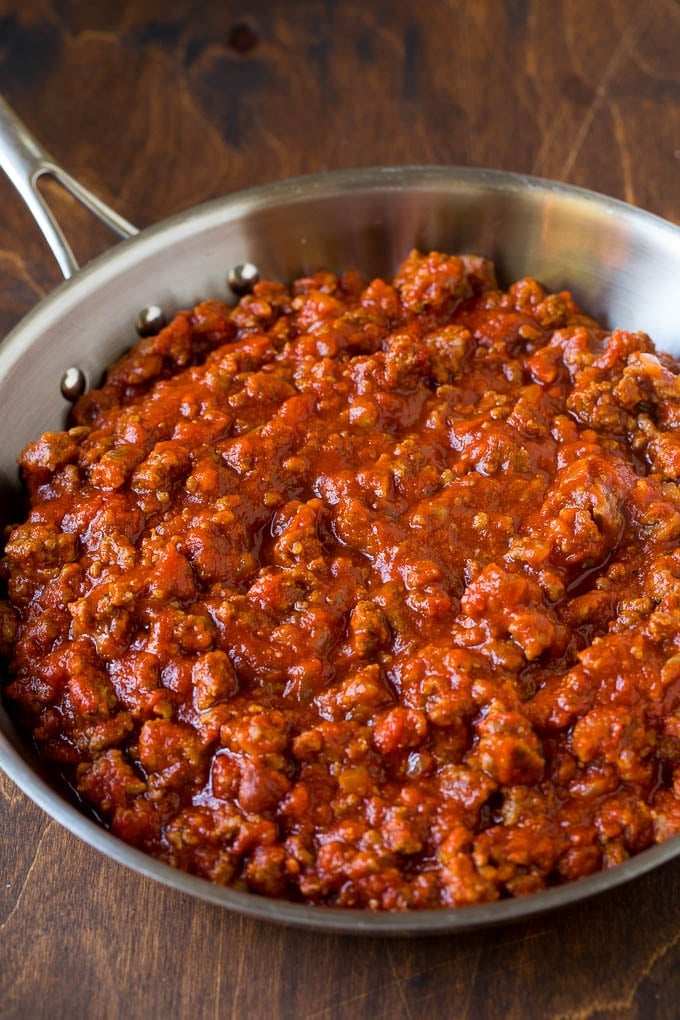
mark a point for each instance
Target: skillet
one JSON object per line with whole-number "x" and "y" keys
{"x": 622, "y": 265}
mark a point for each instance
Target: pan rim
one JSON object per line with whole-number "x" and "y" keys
{"x": 326, "y": 184}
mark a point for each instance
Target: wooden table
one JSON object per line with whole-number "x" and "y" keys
{"x": 157, "y": 106}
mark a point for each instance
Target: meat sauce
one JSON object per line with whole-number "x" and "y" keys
{"x": 363, "y": 594}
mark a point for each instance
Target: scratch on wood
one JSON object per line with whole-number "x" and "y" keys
{"x": 555, "y": 129}
{"x": 466, "y": 78}
{"x": 274, "y": 140}
{"x": 19, "y": 265}
{"x": 398, "y": 982}
{"x": 628, "y": 37}
{"x": 27, "y": 876}
{"x": 644, "y": 56}
{"x": 472, "y": 977}
{"x": 237, "y": 983}
{"x": 10, "y": 793}
{"x": 626, "y": 166}
{"x": 523, "y": 938}
{"x": 218, "y": 978}
{"x": 624, "y": 1003}
{"x": 475, "y": 953}
{"x": 335, "y": 1009}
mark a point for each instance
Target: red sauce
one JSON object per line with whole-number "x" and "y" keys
{"x": 364, "y": 595}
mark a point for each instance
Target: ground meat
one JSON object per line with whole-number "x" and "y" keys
{"x": 363, "y": 593}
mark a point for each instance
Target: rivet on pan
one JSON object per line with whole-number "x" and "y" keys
{"x": 73, "y": 384}
{"x": 243, "y": 278}
{"x": 150, "y": 321}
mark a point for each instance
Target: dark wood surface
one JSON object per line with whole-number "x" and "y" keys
{"x": 157, "y": 105}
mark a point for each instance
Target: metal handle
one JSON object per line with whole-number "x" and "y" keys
{"x": 25, "y": 161}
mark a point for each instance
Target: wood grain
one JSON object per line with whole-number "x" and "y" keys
{"x": 157, "y": 105}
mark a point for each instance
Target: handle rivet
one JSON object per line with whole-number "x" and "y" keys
{"x": 150, "y": 321}
{"x": 243, "y": 278}
{"x": 73, "y": 384}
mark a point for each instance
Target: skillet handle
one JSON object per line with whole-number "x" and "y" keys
{"x": 25, "y": 161}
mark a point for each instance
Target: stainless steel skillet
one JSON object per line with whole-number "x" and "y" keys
{"x": 622, "y": 264}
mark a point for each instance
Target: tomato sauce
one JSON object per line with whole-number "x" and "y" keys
{"x": 363, "y": 594}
